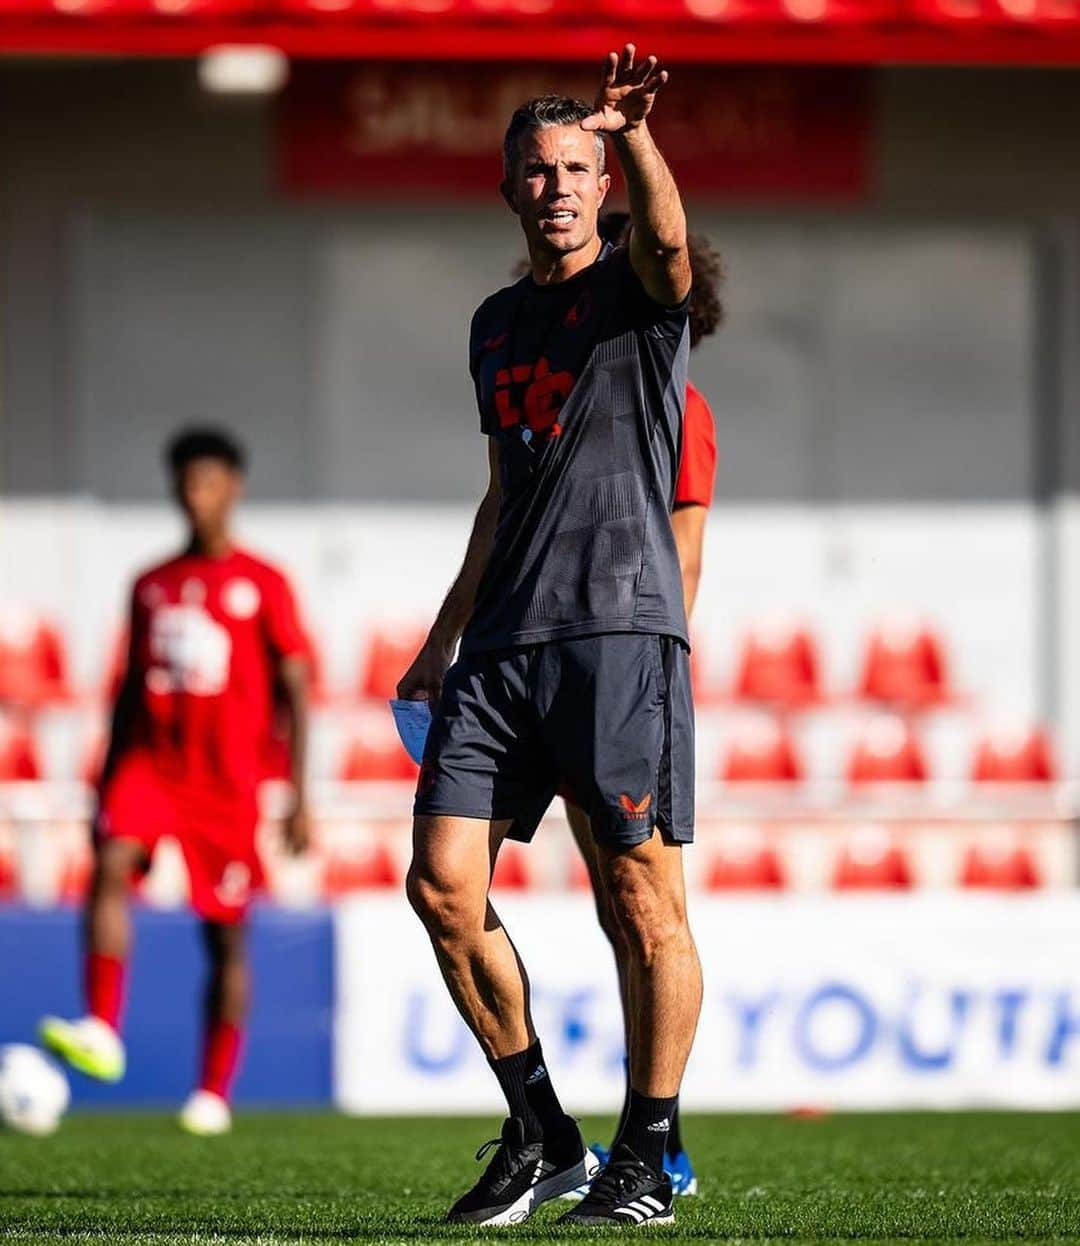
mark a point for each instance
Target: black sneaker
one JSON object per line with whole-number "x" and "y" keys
{"x": 522, "y": 1175}
{"x": 627, "y": 1193}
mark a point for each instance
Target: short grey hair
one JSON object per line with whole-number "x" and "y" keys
{"x": 541, "y": 114}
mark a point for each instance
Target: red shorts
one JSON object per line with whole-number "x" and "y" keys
{"x": 215, "y": 830}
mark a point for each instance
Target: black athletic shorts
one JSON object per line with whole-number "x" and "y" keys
{"x": 607, "y": 719}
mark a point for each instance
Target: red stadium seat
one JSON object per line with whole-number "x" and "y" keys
{"x": 76, "y": 869}
{"x": 33, "y": 661}
{"x": 9, "y": 878}
{"x": 577, "y": 874}
{"x": 888, "y": 752}
{"x": 745, "y": 862}
{"x": 778, "y": 665}
{"x": 1000, "y": 863}
{"x": 905, "y": 665}
{"x": 318, "y": 689}
{"x": 706, "y": 689}
{"x": 359, "y": 867}
{"x": 511, "y": 871}
{"x": 93, "y": 758}
{"x": 1020, "y": 756}
{"x": 762, "y": 753}
{"x": 389, "y": 655}
{"x": 872, "y": 860}
{"x": 19, "y": 759}
{"x": 377, "y": 757}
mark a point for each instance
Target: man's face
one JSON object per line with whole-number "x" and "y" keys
{"x": 207, "y": 489}
{"x": 558, "y": 188}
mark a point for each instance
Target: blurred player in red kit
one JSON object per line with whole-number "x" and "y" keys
{"x": 693, "y": 497}
{"x": 213, "y": 631}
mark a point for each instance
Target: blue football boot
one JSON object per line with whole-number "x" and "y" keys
{"x": 681, "y": 1172}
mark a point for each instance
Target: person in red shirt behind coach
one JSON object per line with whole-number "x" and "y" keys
{"x": 693, "y": 497}
{"x": 212, "y": 631}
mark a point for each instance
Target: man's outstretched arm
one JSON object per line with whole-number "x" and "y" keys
{"x": 658, "y": 246}
{"x": 423, "y": 680}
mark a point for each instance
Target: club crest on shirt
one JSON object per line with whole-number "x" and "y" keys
{"x": 235, "y": 886}
{"x": 240, "y": 598}
{"x": 580, "y": 312}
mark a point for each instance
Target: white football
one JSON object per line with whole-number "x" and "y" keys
{"x": 34, "y": 1094}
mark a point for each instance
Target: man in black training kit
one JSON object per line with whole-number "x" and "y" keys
{"x": 573, "y": 669}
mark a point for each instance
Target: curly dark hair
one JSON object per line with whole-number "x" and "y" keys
{"x": 199, "y": 442}
{"x": 706, "y": 274}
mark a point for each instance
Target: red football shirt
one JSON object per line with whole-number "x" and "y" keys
{"x": 206, "y": 637}
{"x": 697, "y": 468}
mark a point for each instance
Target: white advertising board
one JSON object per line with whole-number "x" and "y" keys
{"x": 838, "y": 1002}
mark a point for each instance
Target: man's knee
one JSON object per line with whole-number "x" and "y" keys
{"x": 226, "y": 943}
{"x": 436, "y": 898}
{"x": 646, "y": 911}
{"x": 116, "y": 861}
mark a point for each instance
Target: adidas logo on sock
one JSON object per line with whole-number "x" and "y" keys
{"x": 537, "y": 1075}
{"x": 660, "y": 1126}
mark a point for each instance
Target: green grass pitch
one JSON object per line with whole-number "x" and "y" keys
{"x": 322, "y": 1179}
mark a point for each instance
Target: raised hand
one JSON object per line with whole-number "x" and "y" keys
{"x": 627, "y": 92}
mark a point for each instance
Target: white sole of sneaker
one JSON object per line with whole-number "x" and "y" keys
{"x": 647, "y": 1223}
{"x": 542, "y": 1192}
{"x": 592, "y": 1167}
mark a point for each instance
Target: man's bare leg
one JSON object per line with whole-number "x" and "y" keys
{"x": 228, "y": 991}
{"x": 107, "y": 923}
{"x": 647, "y": 893}
{"x": 581, "y": 829}
{"x": 91, "y": 1043}
{"x": 447, "y": 886}
{"x": 542, "y": 1155}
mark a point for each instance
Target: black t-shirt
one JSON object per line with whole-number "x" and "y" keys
{"x": 584, "y": 384}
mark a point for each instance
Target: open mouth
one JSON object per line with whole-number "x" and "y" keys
{"x": 560, "y": 217}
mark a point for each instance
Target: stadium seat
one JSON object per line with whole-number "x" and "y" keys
{"x": 359, "y": 867}
{"x": 377, "y": 756}
{"x": 318, "y": 688}
{"x": 577, "y": 873}
{"x": 762, "y": 752}
{"x": 93, "y": 757}
{"x": 389, "y": 654}
{"x": 707, "y": 690}
{"x": 511, "y": 871}
{"x": 887, "y": 752}
{"x": 73, "y": 880}
{"x": 8, "y": 873}
{"x": 1024, "y": 755}
{"x": 871, "y": 859}
{"x": 19, "y": 758}
{"x": 904, "y": 665}
{"x": 999, "y": 861}
{"x": 778, "y": 664}
{"x": 33, "y": 661}
{"x": 746, "y": 861}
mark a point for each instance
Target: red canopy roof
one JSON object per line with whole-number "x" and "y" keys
{"x": 851, "y": 31}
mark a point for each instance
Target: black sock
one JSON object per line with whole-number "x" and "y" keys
{"x": 529, "y": 1093}
{"x": 646, "y": 1128}
{"x": 674, "y": 1138}
{"x": 625, "y": 1099}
